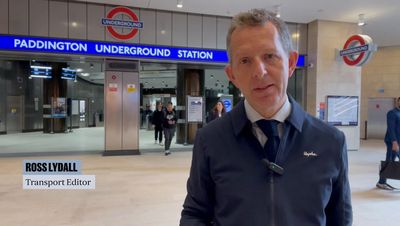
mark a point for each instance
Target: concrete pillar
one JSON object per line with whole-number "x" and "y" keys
{"x": 54, "y": 88}
{"x": 190, "y": 81}
{"x": 328, "y": 75}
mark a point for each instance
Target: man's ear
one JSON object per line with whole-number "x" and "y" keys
{"x": 229, "y": 73}
{"x": 293, "y": 56}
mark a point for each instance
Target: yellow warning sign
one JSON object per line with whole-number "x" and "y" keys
{"x": 131, "y": 88}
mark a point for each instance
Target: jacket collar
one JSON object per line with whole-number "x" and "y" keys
{"x": 240, "y": 120}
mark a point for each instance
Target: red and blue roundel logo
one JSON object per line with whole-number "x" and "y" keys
{"x": 357, "y": 50}
{"x": 134, "y": 24}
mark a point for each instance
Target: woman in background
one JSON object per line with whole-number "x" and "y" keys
{"x": 217, "y": 112}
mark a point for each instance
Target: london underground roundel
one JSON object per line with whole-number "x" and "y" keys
{"x": 357, "y": 50}
{"x": 111, "y": 23}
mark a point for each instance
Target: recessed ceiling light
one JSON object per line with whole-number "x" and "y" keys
{"x": 277, "y": 11}
{"x": 179, "y": 3}
{"x": 361, "y": 20}
{"x": 295, "y": 35}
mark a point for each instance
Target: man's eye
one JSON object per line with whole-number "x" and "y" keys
{"x": 269, "y": 56}
{"x": 244, "y": 60}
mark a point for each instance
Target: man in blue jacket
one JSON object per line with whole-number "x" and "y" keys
{"x": 267, "y": 162}
{"x": 392, "y": 139}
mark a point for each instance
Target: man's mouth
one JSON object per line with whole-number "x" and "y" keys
{"x": 262, "y": 88}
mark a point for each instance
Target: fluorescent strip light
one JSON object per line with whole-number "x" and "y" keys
{"x": 41, "y": 67}
{"x": 67, "y": 78}
{"x": 40, "y": 76}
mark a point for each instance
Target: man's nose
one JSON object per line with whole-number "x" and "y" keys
{"x": 260, "y": 69}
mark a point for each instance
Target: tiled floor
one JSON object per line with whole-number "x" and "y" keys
{"x": 80, "y": 140}
{"x": 148, "y": 190}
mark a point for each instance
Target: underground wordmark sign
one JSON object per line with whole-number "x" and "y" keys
{"x": 357, "y": 50}
{"x": 111, "y": 23}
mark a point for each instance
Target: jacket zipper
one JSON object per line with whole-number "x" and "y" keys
{"x": 271, "y": 180}
{"x": 272, "y": 210}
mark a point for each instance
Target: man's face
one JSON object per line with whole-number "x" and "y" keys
{"x": 169, "y": 107}
{"x": 260, "y": 67}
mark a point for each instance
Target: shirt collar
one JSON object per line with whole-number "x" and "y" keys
{"x": 239, "y": 118}
{"x": 280, "y": 116}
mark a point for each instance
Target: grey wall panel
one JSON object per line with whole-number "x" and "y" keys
{"x": 95, "y": 29}
{"x": 148, "y": 33}
{"x": 16, "y": 74}
{"x": 58, "y": 19}
{"x": 33, "y": 105}
{"x": 130, "y": 108}
{"x": 3, "y": 96}
{"x": 3, "y": 19}
{"x": 113, "y": 115}
{"x": 179, "y": 29}
{"x": 164, "y": 28}
{"x": 77, "y": 20}
{"x": 18, "y": 16}
{"x": 195, "y": 31}
{"x": 209, "y": 32}
{"x": 223, "y": 25}
{"x": 293, "y": 29}
{"x": 303, "y": 31}
{"x": 377, "y": 116}
{"x": 39, "y": 18}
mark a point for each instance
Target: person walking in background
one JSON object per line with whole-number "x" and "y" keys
{"x": 157, "y": 121}
{"x": 169, "y": 124}
{"x": 147, "y": 114}
{"x": 267, "y": 162}
{"x": 217, "y": 112}
{"x": 392, "y": 139}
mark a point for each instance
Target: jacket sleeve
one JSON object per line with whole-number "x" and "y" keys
{"x": 199, "y": 203}
{"x": 339, "y": 211}
{"x": 391, "y": 126}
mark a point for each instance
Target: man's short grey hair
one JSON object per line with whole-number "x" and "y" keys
{"x": 259, "y": 17}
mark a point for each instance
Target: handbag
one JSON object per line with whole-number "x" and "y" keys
{"x": 390, "y": 170}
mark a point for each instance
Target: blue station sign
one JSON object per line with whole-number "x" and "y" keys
{"x": 110, "y": 49}
{"x": 67, "y": 46}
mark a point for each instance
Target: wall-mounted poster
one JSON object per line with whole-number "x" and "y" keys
{"x": 194, "y": 109}
{"x": 59, "y": 107}
{"x": 342, "y": 110}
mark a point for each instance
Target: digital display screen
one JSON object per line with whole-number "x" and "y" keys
{"x": 67, "y": 73}
{"x": 342, "y": 110}
{"x": 39, "y": 71}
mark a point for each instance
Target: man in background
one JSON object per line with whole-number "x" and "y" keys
{"x": 392, "y": 139}
{"x": 169, "y": 126}
{"x": 157, "y": 121}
